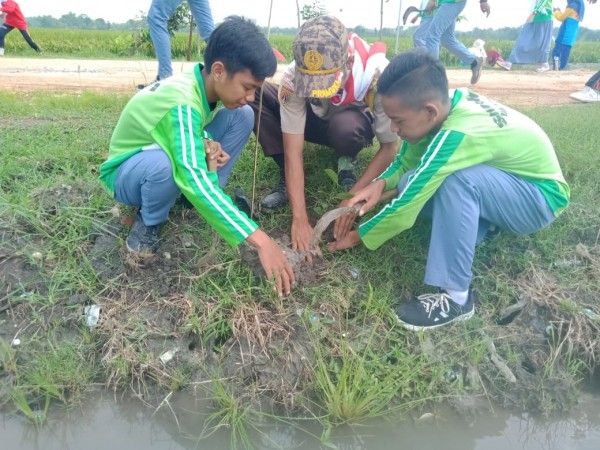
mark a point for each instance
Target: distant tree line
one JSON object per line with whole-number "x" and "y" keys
{"x": 72, "y": 20}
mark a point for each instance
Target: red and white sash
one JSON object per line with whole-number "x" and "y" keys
{"x": 369, "y": 61}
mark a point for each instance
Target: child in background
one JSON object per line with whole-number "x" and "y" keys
{"x": 567, "y": 33}
{"x": 533, "y": 43}
{"x": 14, "y": 19}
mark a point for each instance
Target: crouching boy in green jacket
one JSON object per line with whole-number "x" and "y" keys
{"x": 468, "y": 162}
{"x": 170, "y": 130}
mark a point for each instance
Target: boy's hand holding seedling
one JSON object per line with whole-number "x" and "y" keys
{"x": 344, "y": 224}
{"x": 216, "y": 157}
{"x": 370, "y": 196}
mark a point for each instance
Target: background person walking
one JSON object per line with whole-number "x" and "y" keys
{"x": 533, "y": 43}
{"x": 421, "y": 32}
{"x": 14, "y": 19}
{"x": 440, "y": 30}
{"x": 158, "y": 16}
{"x": 571, "y": 17}
{"x": 591, "y": 92}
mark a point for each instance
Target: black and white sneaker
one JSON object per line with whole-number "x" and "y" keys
{"x": 434, "y": 310}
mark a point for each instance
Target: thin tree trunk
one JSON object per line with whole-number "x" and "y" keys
{"x": 398, "y": 28}
{"x": 189, "y": 47}
{"x": 298, "y": 12}
{"x": 380, "y": 19}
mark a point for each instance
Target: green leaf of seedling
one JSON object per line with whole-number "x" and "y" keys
{"x": 332, "y": 176}
{"x": 343, "y": 196}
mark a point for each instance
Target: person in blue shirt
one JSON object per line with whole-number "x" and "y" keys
{"x": 158, "y": 16}
{"x": 567, "y": 33}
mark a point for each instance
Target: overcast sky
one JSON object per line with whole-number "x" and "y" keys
{"x": 352, "y": 12}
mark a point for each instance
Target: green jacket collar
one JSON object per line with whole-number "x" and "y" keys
{"x": 198, "y": 73}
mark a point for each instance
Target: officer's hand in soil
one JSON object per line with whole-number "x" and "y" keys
{"x": 274, "y": 262}
{"x": 301, "y": 237}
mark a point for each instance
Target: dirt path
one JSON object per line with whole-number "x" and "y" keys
{"x": 22, "y": 74}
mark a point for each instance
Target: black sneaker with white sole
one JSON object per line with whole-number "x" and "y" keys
{"x": 429, "y": 311}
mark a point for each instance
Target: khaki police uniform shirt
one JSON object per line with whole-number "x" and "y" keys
{"x": 293, "y": 114}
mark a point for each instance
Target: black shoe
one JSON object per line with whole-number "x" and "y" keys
{"x": 346, "y": 179}
{"x": 429, "y": 311}
{"x": 277, "y": 198}
{"x": 476, "y": 67}
{"x": 241, "y": 201}
{"x": 142, "y": 239}
{"x": 183, "y": 202}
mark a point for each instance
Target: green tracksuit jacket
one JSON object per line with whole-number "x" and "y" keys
{"x": 476, "y": 131}
{"x": 172, "y": 114}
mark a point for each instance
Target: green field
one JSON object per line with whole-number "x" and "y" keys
{"x": 74, "y": 43}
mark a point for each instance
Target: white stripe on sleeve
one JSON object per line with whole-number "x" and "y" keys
{"x": 197, "y": 180}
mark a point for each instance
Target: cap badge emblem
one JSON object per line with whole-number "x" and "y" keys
{"x": 313, "y": 60}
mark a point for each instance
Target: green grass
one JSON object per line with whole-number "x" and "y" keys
{"x": 79, "y": 43}
{"x": 231, "y": 412}
{"x": 52, "y": 203}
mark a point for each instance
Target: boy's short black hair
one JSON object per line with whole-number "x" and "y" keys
{"x": 239, "y": 45}
{"x": 416, "y": 77}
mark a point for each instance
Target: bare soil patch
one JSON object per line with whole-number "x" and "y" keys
{"x": 518, "y": 87}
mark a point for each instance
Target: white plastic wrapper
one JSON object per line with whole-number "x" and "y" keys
{"x": 92, "y": 315}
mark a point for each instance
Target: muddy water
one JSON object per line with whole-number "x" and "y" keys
{"x": 106, "y": 424}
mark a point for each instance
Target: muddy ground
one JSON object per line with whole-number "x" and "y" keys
{"x": 519, "y": 87}
{"x": 265, "y": 349}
